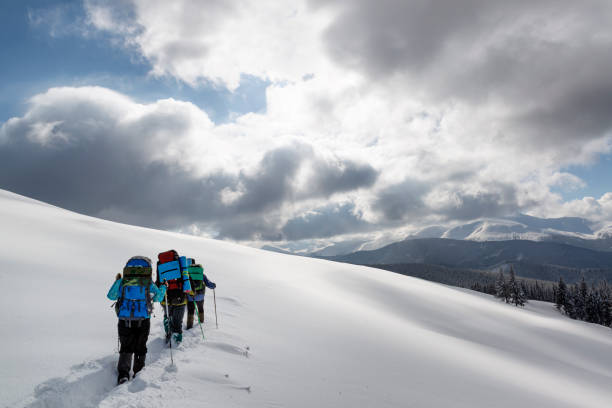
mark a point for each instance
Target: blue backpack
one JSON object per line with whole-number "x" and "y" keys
{"x": 134, "y": 302}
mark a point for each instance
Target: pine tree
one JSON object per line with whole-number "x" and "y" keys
{"x": 561, "y": 298}
{"x": 580, "y": 300}
{"x": 516, "y": 291}
{"x": 570, "y": 302}
{"x": 501, "y": 288}
{"x": 592, "y": 307}
{"x": 605, "y": 306}
{"x": 523, "y": 293}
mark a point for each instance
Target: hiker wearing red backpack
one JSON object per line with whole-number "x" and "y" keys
{"x": 134, "y": 293}
{"x": 172, "y": 270}
{"x": 199, "y": 283}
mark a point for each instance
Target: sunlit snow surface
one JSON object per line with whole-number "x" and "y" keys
{"x": 293, "y": 331}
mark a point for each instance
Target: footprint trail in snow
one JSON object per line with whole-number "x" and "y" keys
{"x": 197, "y": 366}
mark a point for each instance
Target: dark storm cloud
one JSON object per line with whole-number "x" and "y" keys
{"x": 331, "y": 178}
{"x": 74, "y": 152}
{"x": 547, "y": 62}
{"x": 390, "y": 35}
{"x": 496, "y": 200}
{"x": 585, "y": 113}
{"x": 406, "y": 201}
{"x": 403, "y": 200}
{"x": 272, "y": 182}
{"x": 326, "y": 222}
{"x": 93, "y": 174}
{"x": 245, "y": 227}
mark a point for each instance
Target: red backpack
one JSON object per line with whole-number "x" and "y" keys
{"x": 166, "y": 257}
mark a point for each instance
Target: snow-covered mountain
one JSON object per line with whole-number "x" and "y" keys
{"x": 571, "y": 230}
{"x": 517, "y": 227}
{"x": 293, "y": 331}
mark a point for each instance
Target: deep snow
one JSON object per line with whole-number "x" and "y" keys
{"x": 293, "y": 331}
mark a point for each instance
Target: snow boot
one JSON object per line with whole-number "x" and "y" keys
{"x": 139, "y": 362}
{"x": 189, "y": 321}
{"x": 123, "y": 367}
{"x": 201, "y": 316}
{"x": 177, "y": 337}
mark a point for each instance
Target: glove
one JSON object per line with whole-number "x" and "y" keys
{"x": 213, "y": 285}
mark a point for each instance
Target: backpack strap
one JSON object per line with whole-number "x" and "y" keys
{"x": 119, "y": 300}
{"x": 148, "y": 298}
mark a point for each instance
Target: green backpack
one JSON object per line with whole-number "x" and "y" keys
{"x": 196, "y": 274}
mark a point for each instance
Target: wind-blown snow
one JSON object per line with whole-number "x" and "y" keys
{"x": 293, "y": 331}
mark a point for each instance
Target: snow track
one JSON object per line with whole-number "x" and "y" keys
{"x": 93, "y": 383}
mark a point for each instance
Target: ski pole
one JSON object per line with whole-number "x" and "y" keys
{"x": 215, "y": 299}
{"x": 198, "y": 313}
{"x": 169, "y": 327}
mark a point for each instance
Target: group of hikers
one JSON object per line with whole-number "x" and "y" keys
{"x": 179, "y": 282}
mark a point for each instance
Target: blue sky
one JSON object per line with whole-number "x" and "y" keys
{"x": 35, "y": 61}
{"x": 597, "y": 178}
{"x": 307, "y": 120}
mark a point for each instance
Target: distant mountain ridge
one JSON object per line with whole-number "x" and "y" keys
{"x": 530, "y": 258}
{"x": 573, "y": 231}
{"x": 515, "y": 227}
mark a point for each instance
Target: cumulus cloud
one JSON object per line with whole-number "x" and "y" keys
{"x": 403, "y": 200}
{"x": 98, "y": 152}
{"x": 218, "y": 40}
{"x": 595, "y": 209}
{"x": 526, "y": 75}
{"x": 491, "y": 203}
{"x": 390, "y": 113}
{"x": 541, "y": 66}
{"x": 327, "y": 221}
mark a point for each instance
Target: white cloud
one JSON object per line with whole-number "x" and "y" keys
{"x": 166, "y": 164}
{"x": 484, "y": 111}
{"x": 596, "y": 209}
{"x": 221, "y": 40}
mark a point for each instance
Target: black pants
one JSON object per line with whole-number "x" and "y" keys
{"x": 176, "y": 318}
{"x": 133, "y": 335}
{"x": 191, "y": 307}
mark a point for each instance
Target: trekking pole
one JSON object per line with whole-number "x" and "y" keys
{"x": 215, "y": 298}
{"x": 198, "y": 313}
{"x": 169, "y": 329}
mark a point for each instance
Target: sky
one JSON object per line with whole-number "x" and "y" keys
{"x": 308, "y": 121}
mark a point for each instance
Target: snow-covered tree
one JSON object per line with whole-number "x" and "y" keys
{"x": 605, "y": 305}
{"x": 580, "y": 300}
{"x": 561, "y": 298}
{"x": 501, "y": 288}
{"x": 517, "y": 295}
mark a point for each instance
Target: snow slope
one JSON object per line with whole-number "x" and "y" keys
{"x": 293, "y": 331}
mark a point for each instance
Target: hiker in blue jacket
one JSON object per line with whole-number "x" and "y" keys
{"x": 199, "y": 283}
{"x": 134, "y": 295}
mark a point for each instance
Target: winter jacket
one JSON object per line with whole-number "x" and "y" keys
{"x": 199, "y": 288}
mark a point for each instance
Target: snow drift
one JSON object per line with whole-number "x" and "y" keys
{"x": 293, "y": 331}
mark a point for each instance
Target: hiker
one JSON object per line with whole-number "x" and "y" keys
{"x": 172, "y": 269}
{"x": 134, "y": 295}
{"x": 199, "y": 283}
